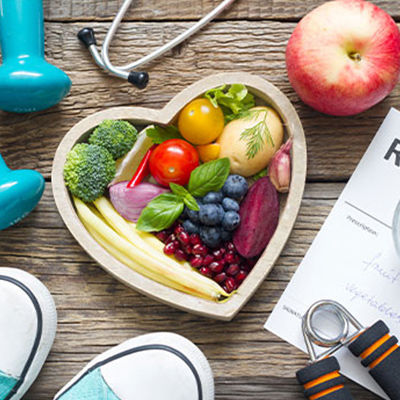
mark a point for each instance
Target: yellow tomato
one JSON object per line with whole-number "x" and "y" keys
{"x": 200, "y": 122}
{"x": 208, "y": 152}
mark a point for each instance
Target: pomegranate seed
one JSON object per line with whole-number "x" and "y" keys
{"x": 236, "y": 259}
{"x": 206, "y": 271}
{"x": 230, "y": 284}
{"x": 188, "y": 249}
{"x": 216, "y": 267}
{"x": 218, "y": 254}
{"x": 232, "y": 270}
{"x": 178, "y": 230}
{"x": 230, "y": 246}
{"x": 183, "y": 237}
{"x": 229, "y": 257}
{"x": 171, "y": 238}
{"x": 162, "y": 235}
{"x": 169, "y": 249}
{"x": 196, "y": 261}
{"x": 208, "y": 259}
{"x": 180, "y": 255}
{"x": 241, "y": 276}
{"x": 200, "y": 249}
{"x": 220, "y": 277}
{"x": 194, "y": 239}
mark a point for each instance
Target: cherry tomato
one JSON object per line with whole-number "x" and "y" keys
{"x": 173, "y": 161}
{"x": 200, "y": 122}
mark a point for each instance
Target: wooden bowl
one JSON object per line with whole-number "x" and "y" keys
{"x": 290, "y": 203}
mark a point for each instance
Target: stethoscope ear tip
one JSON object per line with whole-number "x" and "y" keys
{"x": 138, "y": 79}
{"x": 86, "y": 36}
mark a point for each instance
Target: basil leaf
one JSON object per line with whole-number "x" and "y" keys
{"x": 210, "y": 176}
{"x": 187, "y": 198}
{"x": 191, "y": 202}
{"x": 160, "y": 213}
{"x": 179, "y": 190}
{"x": 159, "y": 135}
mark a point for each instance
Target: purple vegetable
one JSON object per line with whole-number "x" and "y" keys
{"x": 259, "y": 216}
{"x": 130, "y": 202}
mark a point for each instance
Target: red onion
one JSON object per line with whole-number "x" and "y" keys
{"x": 130, "y": 202}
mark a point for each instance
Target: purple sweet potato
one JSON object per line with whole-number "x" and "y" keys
{"x": 259, "y": 216}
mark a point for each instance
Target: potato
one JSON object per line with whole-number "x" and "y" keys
{"x": 235, "y": 147}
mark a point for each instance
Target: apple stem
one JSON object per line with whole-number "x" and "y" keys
{"x": 355, "y": 56}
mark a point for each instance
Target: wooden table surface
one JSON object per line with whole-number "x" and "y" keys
{"x": 95, "y": 311}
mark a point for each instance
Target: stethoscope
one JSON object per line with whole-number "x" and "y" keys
{"x": 138, "y": 78}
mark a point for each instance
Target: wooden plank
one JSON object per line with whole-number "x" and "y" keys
{"x": 90, "y": 10}
{"x": 30, "y": 140}
{"x": 96, "y": 312}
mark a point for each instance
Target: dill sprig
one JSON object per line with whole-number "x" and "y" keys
{"x": 257, "y": 135}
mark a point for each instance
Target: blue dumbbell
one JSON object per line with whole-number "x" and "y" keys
{"x": 27, "y": 82}
{"x": 20, "y": 191}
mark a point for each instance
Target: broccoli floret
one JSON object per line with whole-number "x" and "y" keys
{"x": 118, "y": 137}
{"x": 88, "y": 170}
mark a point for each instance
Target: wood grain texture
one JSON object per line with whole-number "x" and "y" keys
{"x": 89, "y": 10}
{"x": 30, "y": 140}
{"x": 95, "y": 311}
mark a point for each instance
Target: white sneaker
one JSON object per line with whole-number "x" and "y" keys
{"x": 157, "y": 366}
{"x": 28, "y": 321}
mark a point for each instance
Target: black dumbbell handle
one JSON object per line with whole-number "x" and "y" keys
{"x": 323, "y": 381}
{"x": 380, "y": 353}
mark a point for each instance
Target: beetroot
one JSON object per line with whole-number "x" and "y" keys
{"x": 259, "y": 216}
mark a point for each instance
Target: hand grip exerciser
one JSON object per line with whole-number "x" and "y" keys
{"x": 27, "y": 82}
{"x": 20, "y": 191}
{"x": 377, "y": 349}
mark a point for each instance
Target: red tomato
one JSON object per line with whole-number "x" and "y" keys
{"x": 173, "y": 161}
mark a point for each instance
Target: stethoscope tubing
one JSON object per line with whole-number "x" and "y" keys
{"x": 103, "y": 60}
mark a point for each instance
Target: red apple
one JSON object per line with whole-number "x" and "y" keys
{"x": 344, "y": 57}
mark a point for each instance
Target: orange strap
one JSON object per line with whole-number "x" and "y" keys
{"x": 326, "y": 392}
{"x": 383, "y": 356}
{"x": 322, "y": 379}
{"x": 377, "y": 344}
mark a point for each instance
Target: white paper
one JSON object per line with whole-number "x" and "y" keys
{"x": 352, "y": 260}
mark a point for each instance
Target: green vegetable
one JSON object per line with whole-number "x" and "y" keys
{"x": 208, "y": 177}
{"x": 159, "y": 135}
{"x": 234, "y": 102}
{"x": 187, "y": 198}
{"x": 88, "y": 170}
{"x": 257, "y": 135}
{"x": 259, "y": 175}
{"x": 118, "y": 137}
{"x": 160, "y": 213}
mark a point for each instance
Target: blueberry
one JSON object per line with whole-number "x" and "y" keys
{"x": 211, "y": 236}
{"x": 226, "y": 236}
{"x": 230, "y": 204}
{"x": 193, "y": 215}
{"x": 231, "y": 221}
{"x": 212, "y": 197}
{"x": 211, "y": 214}
{"x": 235, "y": 186}
{"x": 190, "y": 227}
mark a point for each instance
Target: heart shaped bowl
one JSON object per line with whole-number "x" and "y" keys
{"x": 290, "y": 203}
